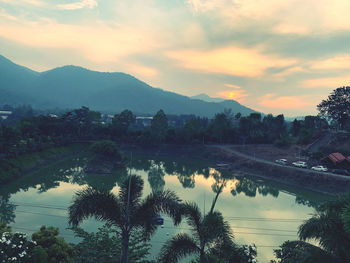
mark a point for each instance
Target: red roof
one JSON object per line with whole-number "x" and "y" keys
{"x": 336, "y": 157}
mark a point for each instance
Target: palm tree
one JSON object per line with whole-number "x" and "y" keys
{"x": 328, "y": 226}
{"x": 126, "y": 211}
{"x": 210, "y": 234}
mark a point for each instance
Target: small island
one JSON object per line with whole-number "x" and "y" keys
{"x": 106, "y": 158}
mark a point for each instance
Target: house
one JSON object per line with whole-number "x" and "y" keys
{"x": 144, "y": 121}
{"x": 337, "y": 160}
{"x": 4, "y": 114}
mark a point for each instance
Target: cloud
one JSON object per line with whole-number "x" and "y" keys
{"x": 22, "y": 2}
{"x": 230, "y": 61}
{"x": 98, "y": 42}
{"x": 282, "y": 17}
{"x": 280, "y": 76}
{"x": 337, "y": 62}
{"x": 329, "y": 82}
{"x": 237, "y": 95}
{"x": 141, "y": 71}
{"x": 78, "y": 5}
{"x": 6, "y": 15}
{"x": 232, "y": 86}
{"x": 284, "y": 102}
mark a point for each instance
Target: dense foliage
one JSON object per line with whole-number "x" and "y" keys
{"x": 106, "y": 148}
{"x": 104, "y": 246}
{"x": 329, "y": 227}
{"x": 337, "y": 106}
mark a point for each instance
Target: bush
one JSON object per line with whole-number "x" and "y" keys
{"x": 105, "y": 148}
{"x": 283, "y": 142}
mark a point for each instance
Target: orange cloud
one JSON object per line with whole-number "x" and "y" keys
{"x": 284, "y": 102}
{"x": 98, "y": 42}
{"x": 22, "y": 2}
{"x": 142, "y": 71}
{"x": 232, "y": 86}
{"x": 332, "y": 82}
{"x": 236, "y": 93}
{"x": 230, "y": 61}
{"x": 338, "y": 62}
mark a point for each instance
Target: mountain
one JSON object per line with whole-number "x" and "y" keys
{"x": 71, "y": 87}
{"x": 205, "y": 97}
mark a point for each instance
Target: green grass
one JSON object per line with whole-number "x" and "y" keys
{"x": 13, "y": 168}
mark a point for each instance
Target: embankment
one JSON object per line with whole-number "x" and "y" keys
{"x": 302, "y": 178}
{"x": 15, "y": 167}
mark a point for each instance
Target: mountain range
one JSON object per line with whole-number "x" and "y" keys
{"x": 71, "y": 87}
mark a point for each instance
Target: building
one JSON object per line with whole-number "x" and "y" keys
{"x": 144, "y": 121}
{"x": 337, "y": 160}
{"x": 4, "y": 114}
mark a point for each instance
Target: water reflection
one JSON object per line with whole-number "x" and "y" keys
{"x": 186, "y": 171}
{"x": 250, "y": 187}
{"x": 194, "y": 180}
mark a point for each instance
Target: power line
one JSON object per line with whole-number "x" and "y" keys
{"x": 152, "y": 241}
{"x": 34, "y": 213}
{"x": 288, "y": 220}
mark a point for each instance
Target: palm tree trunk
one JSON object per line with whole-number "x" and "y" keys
{"x": 203, "y": 257}
{"x": 125, "y": 247}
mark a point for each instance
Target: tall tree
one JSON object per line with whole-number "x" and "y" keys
{"x": 337, "y": 105}
{"x": 127, "y": 211}
{"x": 122, "y": 121}
{"x": 159, "y": 125}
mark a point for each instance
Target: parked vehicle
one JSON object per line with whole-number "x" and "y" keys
{"x": 319, "y": 168}
{"x": 281, "y": 161}
{"x": 300, "y": 164}
{"x": 341, "y": 171}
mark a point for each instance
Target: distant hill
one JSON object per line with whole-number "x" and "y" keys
{"x": 205, "y": 97}
{"x": 73, "y": 87}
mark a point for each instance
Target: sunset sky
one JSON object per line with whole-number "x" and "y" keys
{"x": 271, "y": 55}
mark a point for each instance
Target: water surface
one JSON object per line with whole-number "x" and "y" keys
{"x": 259, "y": 211}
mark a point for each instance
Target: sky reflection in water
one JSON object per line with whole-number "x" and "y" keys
{"x": 260, "y": 212}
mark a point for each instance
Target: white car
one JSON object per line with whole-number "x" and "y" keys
{"x": 281, "y": 161}
{"x": 319, "y": 168}
{"x": 300, "y": 164}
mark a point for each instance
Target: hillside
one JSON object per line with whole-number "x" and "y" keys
{"x": 73, "y": 87}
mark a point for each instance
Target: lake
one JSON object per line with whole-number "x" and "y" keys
{"x": 259, "y": 211}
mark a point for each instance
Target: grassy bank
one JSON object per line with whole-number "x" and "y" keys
{"x": 15, "y": 167}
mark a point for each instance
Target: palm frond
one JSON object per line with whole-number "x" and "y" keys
{"x": 224, "y": 248}
{"x": 162, "y": 202}
{"x": 136, "y": 187}
{"x": 334, "y": 206}
{"x": 328, "y": 229}
{"x": 345, "y": 217}
{"x": 300, "y": 251}
{"x": 179, "y": 246}
{"x": 214, "y": 228}
{"x": 316, "y": 227}
{"x": 194, "y": 217}
{"x": 90, "y": 202}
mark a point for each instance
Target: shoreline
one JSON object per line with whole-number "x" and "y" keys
{"x": 239, "y": 164}
{"x": 298, "y": 177}
{"x": 301, "y": 178}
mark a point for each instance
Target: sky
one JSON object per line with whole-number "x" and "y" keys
{"x": 270, "y": 55}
